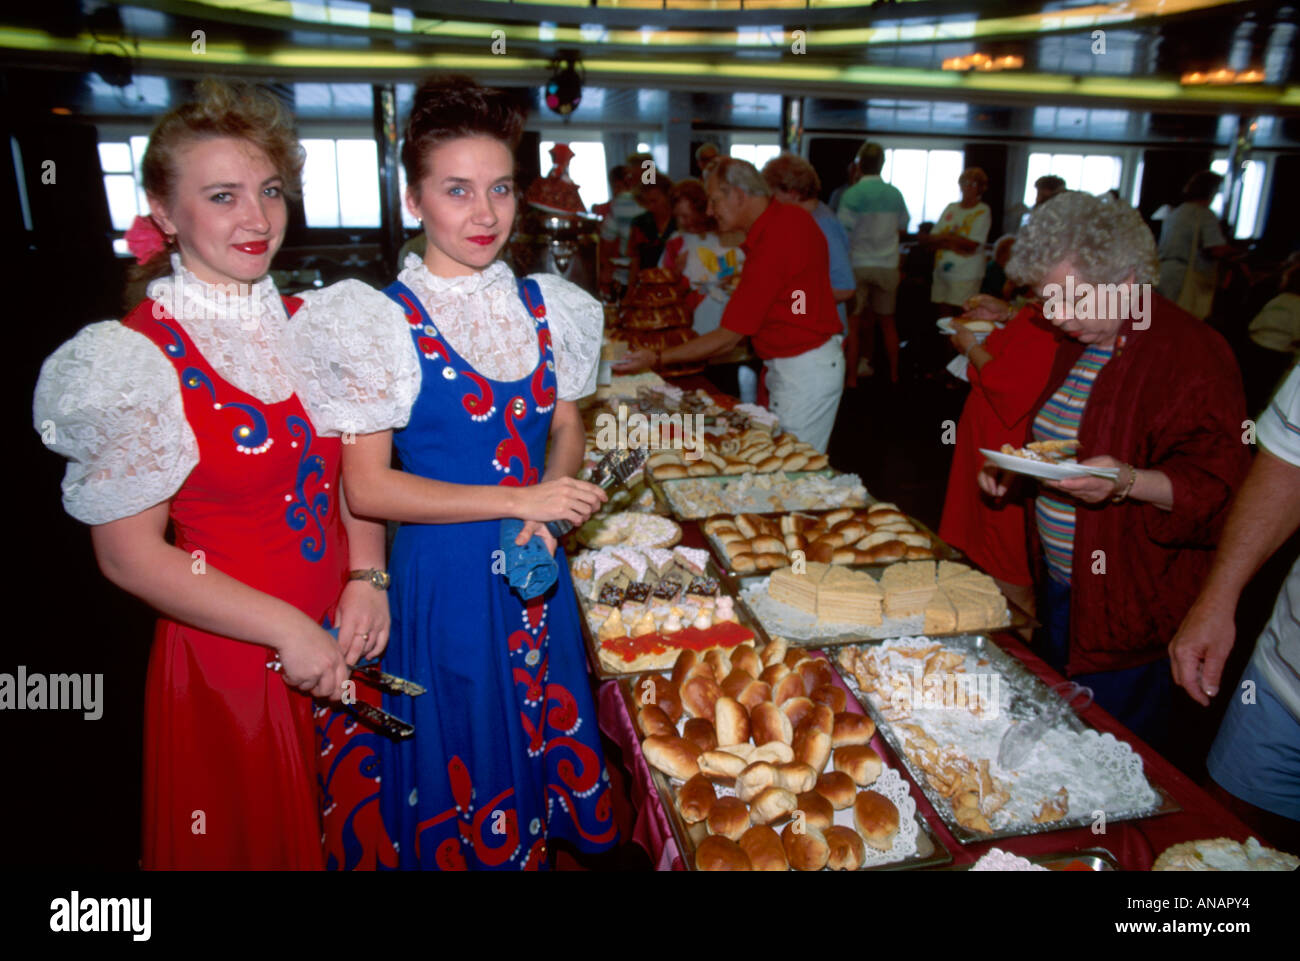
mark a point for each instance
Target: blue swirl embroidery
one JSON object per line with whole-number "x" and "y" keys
{"x": 310, "y": 466}
{"x": 250, "y": 438}
{"x": 177, "y": 347}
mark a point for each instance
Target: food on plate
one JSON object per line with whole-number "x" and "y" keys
{"x": 876, "y": 818}
{"x": 998, "y": 860}
{"x": 1224, "y": 854}
{"x": 696, "y": 798}
{"x": 729, "y": 817}
{"x": 633, "y": 529}
{"x": 1045, "y": 451}
{"x": 763, "y": 847}
{"x": 806, "y": 849}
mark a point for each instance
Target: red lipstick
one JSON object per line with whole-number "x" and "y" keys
{"x": 482, "y": 240}
{"x": 255, "y": 247}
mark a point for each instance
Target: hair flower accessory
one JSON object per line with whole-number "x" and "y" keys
{"x": 144, "y": 239}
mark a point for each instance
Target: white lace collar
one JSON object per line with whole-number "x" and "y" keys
{"x": 426, "y": 284}
{"x": 235, "y": 326}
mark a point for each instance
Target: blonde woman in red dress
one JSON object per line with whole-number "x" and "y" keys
{"x": 184, "y": 416}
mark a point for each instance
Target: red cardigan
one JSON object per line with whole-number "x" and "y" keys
{"x": 1171, "y": 401}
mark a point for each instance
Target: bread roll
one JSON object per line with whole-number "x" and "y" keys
{"x": 918, "y": 553}
{"x": 699, "y": 731}
{"x": 795, "y": 542}
{"x": 755, "y": 693}
{"x": 847, "y": 852}
{"x": 683, "y": 666}
{"x": 653, "y": 720}
{"x": 817, "y": 462}
{"x": 675, "y": 756}
{"x": 859, "y": 762}
{"x": 836, "y": 787}
{"x": 734, "y": 683}
{"x": 815, "y": 672}
{"x": 695, "y": 799}
{"x": 806, "y": 850}
{"x": 849, "y": 530}
{"x": 745, "y": 658}
{"x": 885, "y": 553}
{"x": 789, "y": 686}
{"x": 701, "y": 469}
{"x": 795, "y": 462}
{"x": 817, "y": 811}
{"x": 812, "y": 747}
{"x": 795, "y": 777}
{"x": 796, "y": 709}
{"x": 822, "y": 551}
{"x": 754, "y": 778}
{"x": 768, "y": 465}
{"x": 661, "y": 692}
{"x": 774, "y": 752}
{"x": 852, "y": 729}
{"x": 832, "y": 695}
{"x": 820, "y": 717}
{"x": 718, "y": 853}
{"x": 721, "y": 765}
{"x": 767, "y": 723}
{"x": 770, "y": 561}
{"x": 773, "y": 674}
{"x": 774, "y": 653}
{"x": 720, "y": 661}
{"x": 836, "y": 516}
{"x": 743, "y": 562}
{"x": 730, "y": 721}
{"x": 699, "y": 695}
{"x": 763, "y": 847}
{"x": 794, "y": 656}
{"x": 767, "y": 544}
{"x": 748, "y": 524}
{"x": 771, "y": 804}
{"x": 876, "y": 819}
{"x": 844, "y": 555}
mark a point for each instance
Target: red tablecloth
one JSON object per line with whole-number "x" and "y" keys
{"x": 1134, "y": 844}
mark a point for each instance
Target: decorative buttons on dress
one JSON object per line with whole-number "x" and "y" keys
{"x": 532, "y": 657}
{"x": 431, "y": 330}
{"x": 449, "y": 373}
{"x": 412, "y": 797}
{"x": 534, "y": 825}
{"x": 518, "y": 406}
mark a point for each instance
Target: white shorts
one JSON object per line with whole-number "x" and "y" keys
{"x": 953, "y": 290}
{"x": 804, "y": 391}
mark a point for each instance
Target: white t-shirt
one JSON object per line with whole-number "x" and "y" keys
{"x": 1277, "y": 652}
{"x": 972, "y": 223}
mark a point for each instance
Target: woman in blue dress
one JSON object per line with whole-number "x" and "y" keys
{"x": 470, "y": 374}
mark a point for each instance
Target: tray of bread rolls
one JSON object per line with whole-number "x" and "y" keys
{"x": 641, "y": 606}
{"x": 814, "y": 604}
{"x": 873, "y": 536}
{"x": 731, "y": 452}
{"x": 778, "y": 492}
{"x": 767, "y": 769}
{"x": 944, "y": 706}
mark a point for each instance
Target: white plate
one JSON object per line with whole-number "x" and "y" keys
{"x": 947, "y": 329}
{"x": 1034, "y": 468}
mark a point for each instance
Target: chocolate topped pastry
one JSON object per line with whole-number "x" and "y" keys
{"x": 637, "y": 591}
{"x": 611, "y": 594}
{"x": 668, "y": 588}
{"x": 703, "y": 587}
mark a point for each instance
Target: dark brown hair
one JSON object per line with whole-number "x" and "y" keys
{"x": 220, "y": 109}
{"x": 692, "y": 191}
{"x": 449, "y": 107}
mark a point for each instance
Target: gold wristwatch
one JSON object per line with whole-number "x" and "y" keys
{"x": 379, "y": 580}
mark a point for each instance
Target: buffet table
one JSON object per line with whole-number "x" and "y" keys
{"x": 1131, "y": 845}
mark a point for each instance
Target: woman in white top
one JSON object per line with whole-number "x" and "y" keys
{"x": 185, "y": 415}
{"x": 470, "y": 374}
{"x": 958, "y": 237}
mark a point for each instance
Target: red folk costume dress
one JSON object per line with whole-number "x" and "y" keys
{"x": 229, "y": 762}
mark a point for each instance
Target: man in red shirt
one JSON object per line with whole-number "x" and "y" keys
{"x": 783, "y": 302}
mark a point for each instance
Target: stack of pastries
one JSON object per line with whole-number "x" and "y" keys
{"x": 881, "y": 534}
{"x": 751, "y": 451}
{"x": 772, "y": 728}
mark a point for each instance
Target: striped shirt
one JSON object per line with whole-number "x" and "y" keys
{"x": 1059, "y": 419}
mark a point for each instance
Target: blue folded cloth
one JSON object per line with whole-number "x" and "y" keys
{"x": 531, "y": 570}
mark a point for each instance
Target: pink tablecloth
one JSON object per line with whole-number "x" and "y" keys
{"x": 1134, "y": 844}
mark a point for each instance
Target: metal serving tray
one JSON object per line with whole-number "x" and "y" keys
{"x": 1092, "y": 859}
{"x": 1031, "y": 692}
{"x": 930, "y": 851}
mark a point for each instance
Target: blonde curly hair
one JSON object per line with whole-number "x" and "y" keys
{"x": 1102, "y": 239}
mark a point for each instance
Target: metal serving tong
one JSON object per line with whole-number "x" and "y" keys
{"x": 1021, "y": 738}
{"x": 369, "y": 672}
{"x": 616, "y": 467}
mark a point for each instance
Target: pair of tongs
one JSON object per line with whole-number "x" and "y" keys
{"x": 1023, "y": 736}
{"x": 368, "y": 671}
{"x": 616, "y": 467}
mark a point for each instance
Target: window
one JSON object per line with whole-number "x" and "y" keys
{"x": 927, "y": 179}
{"x": 587, "y": 168}
{"x": 1091, "y": 173}
{"x": 1252, "y": 192}
{"x": 340, "y": 183}
{"x": 756, "y": 153}
{"x": 119, "y": 161}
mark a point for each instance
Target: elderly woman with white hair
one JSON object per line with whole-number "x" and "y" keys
{"x": 1147, "y": 389}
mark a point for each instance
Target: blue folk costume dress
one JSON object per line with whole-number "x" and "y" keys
{"x": 506, "y": 751}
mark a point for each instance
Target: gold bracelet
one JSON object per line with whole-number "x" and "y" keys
{"x": 1128, "y": 488}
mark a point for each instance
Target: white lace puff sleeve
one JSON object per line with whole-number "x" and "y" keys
{"x": 355, "y": 365}
{"x": 109, "y": 401}
{"x": 577, "y": 323}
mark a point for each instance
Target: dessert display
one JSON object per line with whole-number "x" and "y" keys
{"x": 754, "y": 450}
{"x": 754, "y": 493}
{"x": 881, "y": 534}
{"x": 1224, "y": 854}
{"x": 946, "y": 707}
{"x": 653, "y": 316}
{"x": 757, "y": 756}
{"x": 645, "y": 605}
{"x": 814, "y": 601}
{"x": 631, "y": 529}
{"x": 556, "y": 193}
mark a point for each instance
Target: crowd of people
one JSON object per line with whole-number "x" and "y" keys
{"x": 262, "y": 433}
